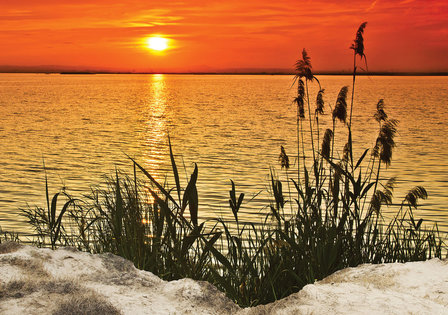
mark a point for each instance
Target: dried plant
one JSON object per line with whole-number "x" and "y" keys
{"x": 414, "y": 195}
{"x": 340, "y": 109}
{"x": 358, "y": 45}
{"x": 358, "y": 48}
{"x": 320, "y": 102}
{"x": 380, "y": 114}
{"x": 283, "y": 158}
{"x": 326, "y": 143}
{"x": 300, "y": 99}
{"x": 385, "y": 141}
{"x": 303, "y": 67}
{"x": 383, "y": 197}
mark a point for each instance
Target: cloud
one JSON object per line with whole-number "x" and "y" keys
{"x": 372, "y": 5}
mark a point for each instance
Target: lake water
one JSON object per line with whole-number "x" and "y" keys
{"x": 231, "y": 125}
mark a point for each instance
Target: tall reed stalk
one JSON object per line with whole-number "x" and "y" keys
{"x": 358, "y": 50}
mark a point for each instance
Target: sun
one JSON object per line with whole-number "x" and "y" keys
{"x": 157, "y": 43}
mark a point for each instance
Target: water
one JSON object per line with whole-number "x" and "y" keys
{"x": 232, "y": 126}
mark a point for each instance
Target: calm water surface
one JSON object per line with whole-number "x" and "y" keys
{"x": 232, "y": 126}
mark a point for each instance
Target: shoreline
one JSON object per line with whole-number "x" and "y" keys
{"x": 104, "y": 283}
{"x": 392, "y": 74}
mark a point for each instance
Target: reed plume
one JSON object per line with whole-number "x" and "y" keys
{"x": 319, "y": 109}
{"x": 383, "y": 197}
{"x": 300, "y": 100}
{"x": 389, "y": 187}
{"x": 358, "y": 48}
{"x": 385, "y": 141}
{"x": 414, "y": 195}
{"x": 320, "y": 102}
{"x": 283, "y": 158}
{"x": 380, "y": 114}
{"x": 358, "y": 43}
{"x": 304, "y": 68}
{"x": 340, "y": 109}
{"x": 326, "y": 144}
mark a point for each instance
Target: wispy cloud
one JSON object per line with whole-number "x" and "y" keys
{"x": 372, "y": 5}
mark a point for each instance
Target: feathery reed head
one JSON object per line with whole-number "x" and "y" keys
{"x": 300, "y": 99}
{"x": 326, "y": 143}
{"x": 383, "y": 197}
{"x": 303, "y": 67}
{"x": 378, "y": 199}
{"x": 340, "y": 109}
{"x": 414, "y": 195}
{"x": 385, "y": 141}
{"x": 320, "y": 102}
{"x": 390, "y": 185}
{"x": 380, "y": 114}
{"x": 301, "y": 89}
{"x": 358, "y": 45}
{"x": 283, "y": 158}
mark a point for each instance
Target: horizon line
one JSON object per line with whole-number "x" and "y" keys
{"x": 376, "y": 73}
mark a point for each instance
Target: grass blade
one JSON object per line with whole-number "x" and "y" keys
{"x": 175, "y": 172}
{"x": 160, "y": 187}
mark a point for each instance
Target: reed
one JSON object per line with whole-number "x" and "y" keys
{"x": 46, "y": 222}
{"x": 358, "y": 50}
{"x": 334, "y": 219}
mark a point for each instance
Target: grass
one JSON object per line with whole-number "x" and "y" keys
{"x": 88, "y": 304}
{"x": 9, "y": 246}
{"x": 329, "y": 218}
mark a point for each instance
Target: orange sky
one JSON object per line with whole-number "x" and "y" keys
{"x": 401, "y": 35}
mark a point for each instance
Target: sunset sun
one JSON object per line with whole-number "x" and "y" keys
{"x": 157, "y": 43}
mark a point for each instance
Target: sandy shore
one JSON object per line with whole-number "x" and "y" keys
{"x": 66, "y": 281}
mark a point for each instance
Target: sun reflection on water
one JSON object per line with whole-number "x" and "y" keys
{"x": 155, "y": 136}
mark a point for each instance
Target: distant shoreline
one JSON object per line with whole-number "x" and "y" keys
{"x": 231, "y": 73}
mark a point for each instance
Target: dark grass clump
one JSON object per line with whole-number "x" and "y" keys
{"x": 85, "y": 304}
{"x": 6, "y": 238}
{"x": 16, "y": 289}
{"x": 9, "y": 247}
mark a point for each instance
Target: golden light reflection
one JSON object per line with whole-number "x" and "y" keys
{"x": 155, "y": 134}
{"x": 146, "y": 221}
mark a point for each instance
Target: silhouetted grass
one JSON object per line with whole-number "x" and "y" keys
{"x": 333, "y": 220}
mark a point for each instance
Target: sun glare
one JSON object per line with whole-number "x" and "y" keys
{"x": 157, "y": 43}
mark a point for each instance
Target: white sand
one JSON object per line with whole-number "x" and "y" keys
{"x": 42, "y": 281}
